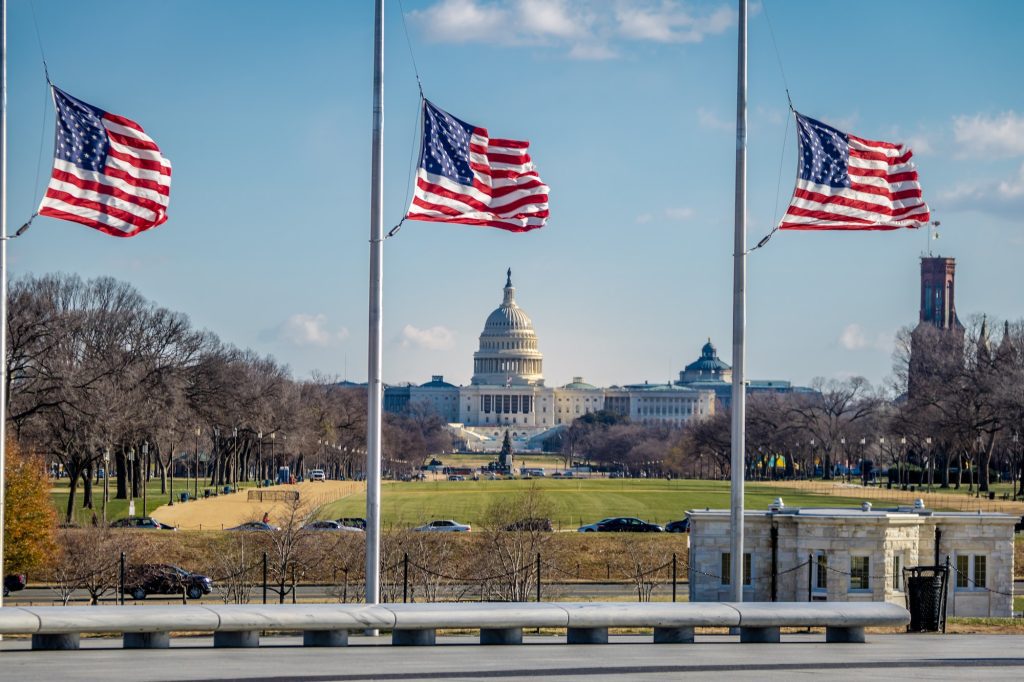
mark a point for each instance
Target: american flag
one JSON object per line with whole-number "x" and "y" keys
{"x": 107, "y": 173}
{"x": 467, "y": 177}
{"x": 849, "y": 183}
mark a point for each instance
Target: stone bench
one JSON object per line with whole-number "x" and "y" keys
{"x": 60, "y": 627}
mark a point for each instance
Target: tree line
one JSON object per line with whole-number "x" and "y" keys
{"x": 97, "y": 375}
{"x": 952, "y": 413}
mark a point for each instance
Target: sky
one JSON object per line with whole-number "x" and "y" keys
{"x": 264, "y": 109}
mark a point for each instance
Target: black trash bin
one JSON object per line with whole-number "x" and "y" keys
{"x": 926, "y": 597}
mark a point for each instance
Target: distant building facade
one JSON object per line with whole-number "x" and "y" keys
{"x": 710, "y": 373}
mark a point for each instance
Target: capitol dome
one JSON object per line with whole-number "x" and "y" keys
{"x": 508, "y": 352}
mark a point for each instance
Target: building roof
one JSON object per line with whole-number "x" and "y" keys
{"x": 708, "y": 361}
{"x": 437, "y": 381}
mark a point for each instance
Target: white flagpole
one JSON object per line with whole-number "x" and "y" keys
{"x": 374, "y": 392}
{"x": 739, "y": 315}
{"x": 3, "y": 278}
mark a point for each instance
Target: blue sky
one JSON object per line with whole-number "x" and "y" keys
{"x": 264, "y": 109}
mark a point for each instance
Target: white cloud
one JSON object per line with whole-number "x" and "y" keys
{"x": 592, "y": 52}
{"x": 1001, "y": 197}
{"x": 987, "y": 136}
{"x": 586, "y": 29}
{"x": 303, "y": 329}
{"x": 434, "y": 338}
{"x": 711, "y": 120}
{"x": 671, "y": 22}
{"x": 462, "y": 21}
{"x": 680, "y": 213}
{"x": 675, "y": 214}
{"x": 854, "y": 337}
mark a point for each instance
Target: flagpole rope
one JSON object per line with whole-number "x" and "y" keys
{"x": 412, "y": 55}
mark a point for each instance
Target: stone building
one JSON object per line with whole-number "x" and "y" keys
{"x": 856, "y": 555}
{"x": 507, "y": 391}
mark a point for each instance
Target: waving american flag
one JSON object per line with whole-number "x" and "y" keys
{"x": 107, "y": 173}
{"x": 467, "y": 177}
{"x": 849, "y": 183}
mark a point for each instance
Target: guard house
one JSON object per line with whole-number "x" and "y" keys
{"x": 856, "y": 555}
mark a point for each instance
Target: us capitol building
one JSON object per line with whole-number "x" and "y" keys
{"x": 507, "y": 391}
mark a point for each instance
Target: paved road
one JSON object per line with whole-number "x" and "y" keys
{"x": 933, "y": 657}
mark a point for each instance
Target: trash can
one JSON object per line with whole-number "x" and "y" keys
{"x": 184, "y": 497}
{"x": 926, "y": 597}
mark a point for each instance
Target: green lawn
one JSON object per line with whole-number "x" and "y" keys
{"x": 573, "y": 501}
{"x": 117, "y": 509}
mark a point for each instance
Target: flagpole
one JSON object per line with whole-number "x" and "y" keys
{"x": 739, "y": 315}
{"x": 374, "y": 392}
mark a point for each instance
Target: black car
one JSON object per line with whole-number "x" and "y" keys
{"x": 255, "y": 526}
{"x": 353, "y": 522}
{"x": 14, "y": 583}
{"x": 543, "y": 525}
{"x": 625, "y": 524}
{"x": 145, "y": 579}
{"x": 141, "y": 522}
{"x": 681, "y": 526}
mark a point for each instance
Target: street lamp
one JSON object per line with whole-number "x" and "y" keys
{"x": 131, "y": 482}
{"x": 145, "y": 474}
{"x": 273, "y": 457}
{"x": 234, "y": 457}
{"x": 199, "y": 432}
{"x": 259, "y": 459}
{"x": 106, "y": 483}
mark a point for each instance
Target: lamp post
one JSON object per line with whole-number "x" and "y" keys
{"x": 195, "y": 493}
{"x": 106, "y": 483}
{"x": 233, "y": 478}
{"x": 259, "y": 459}
{"x": 273, "y": 457}
{"x": 131, "y": 482}
{"x": 931, "y": 462}
{"x": 145, "y": 474}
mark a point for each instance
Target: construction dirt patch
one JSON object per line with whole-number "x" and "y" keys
{"x": 225, "y": 511}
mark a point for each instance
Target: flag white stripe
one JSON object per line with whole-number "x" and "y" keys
{"x": 96, "y": 176}
{"x": 89, "y": 213}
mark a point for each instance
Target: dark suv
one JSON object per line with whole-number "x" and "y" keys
{"x": 14, "y": 583}
{"x": 353, "y": 522}
{"x": 146, "y": 579}
{"x": 143, "y": 522}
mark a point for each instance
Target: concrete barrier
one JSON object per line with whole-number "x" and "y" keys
{"x": 59, "y": 627}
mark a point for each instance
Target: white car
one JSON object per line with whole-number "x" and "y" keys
{"x": 592, "y": 527}
{"x": 446, "y": 526}
{"x": 317, "y": 475}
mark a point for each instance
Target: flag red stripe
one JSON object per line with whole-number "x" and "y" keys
{"x": 132, "y": 141}
{"x": 144, "y": 164}
{"x": 884, "y": 192}
{"x": 113, "y": 212}
{"x": 89, "y": 222}
{"x": 853, "y": 203}
{"x": 100, "y": 188}
{"x": 138, "y": 182}
{"x": 873, "y": 143}
{"x": 511, "y": 227}
{"x": 121, "y": 120}
{"x": 880, "y": 156}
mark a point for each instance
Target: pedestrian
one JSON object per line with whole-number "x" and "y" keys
{"x": 266, "y": 517}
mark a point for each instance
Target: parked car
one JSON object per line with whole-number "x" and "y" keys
{"x": 456, "y": 477}
{"x": 353, "y": 522}
{"x": 145, "y": 579}
{"x": 141, "y": 522}
{"x": 446, "y": 525}
{"x": 628, "y": 524}
{"x": 255, "y": 525}
{"x": 681, "y": 526}
{"x": 592, "y": 527}
{"x": 330, "y": 525}
{"x": 543, "y": 525}
{"x": 14, "y": 583}
{"x": 317, "y": 475}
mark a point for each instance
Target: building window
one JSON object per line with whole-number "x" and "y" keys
{"x": 487, "y": 404}
{"x": 727, "y": 569}
{"x": 821, "y": 572}
{"x": 971, "y": 570}
{"x": 860, "y": 573}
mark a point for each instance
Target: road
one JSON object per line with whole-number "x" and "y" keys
{"x": 323, "y": 593}
{"x": 628, "y": 657}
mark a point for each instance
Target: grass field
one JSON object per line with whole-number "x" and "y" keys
{"x": 117, "y": 509}
{"x": 573, "y": 502}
